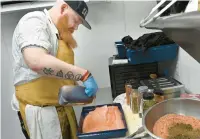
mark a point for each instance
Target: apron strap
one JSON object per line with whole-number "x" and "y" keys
{"x": 22, "y": 125}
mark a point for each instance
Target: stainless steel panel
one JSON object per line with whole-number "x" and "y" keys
{"x": 184, "y": 29}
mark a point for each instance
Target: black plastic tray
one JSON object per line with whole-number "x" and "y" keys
{"x": 103, "y": 134}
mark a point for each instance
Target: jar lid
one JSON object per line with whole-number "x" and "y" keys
{"x": 149, "y": 90}
{"x": 148, "y": 96}
{"x": 142, "y": 89}
{"x": 133, "y": 82}
{"x": 159, "y": 92}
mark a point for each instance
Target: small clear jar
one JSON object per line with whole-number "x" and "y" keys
{"x": 134, "y": 101}
{"x": 141, "y": 90}
{"x": 158, "y": 96}
{"x": 128, "y": 89}
{"x": 148, "y": 100}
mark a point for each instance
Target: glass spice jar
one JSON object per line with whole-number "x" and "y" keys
{"x": 141, "y": 90}
{"x": 128, "y": 89}
{"x": 134, "y": 101}
{"x": 158, "y": 95}
{"x": 148, "y": 100}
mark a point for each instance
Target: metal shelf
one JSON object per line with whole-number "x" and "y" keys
{"x": 25, "y": 5}
{"x": 183, "y": 28}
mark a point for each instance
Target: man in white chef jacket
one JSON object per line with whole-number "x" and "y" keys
{"x": 43, "y": 62}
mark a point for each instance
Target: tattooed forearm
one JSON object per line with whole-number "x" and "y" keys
{"x": 59, "y": 74}
{"x": 48, "y": 71}
{"x": 69, "y": 75}
{"x": 78, "y": 77}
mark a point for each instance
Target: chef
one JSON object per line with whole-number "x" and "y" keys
{"x": 42, "y": 49}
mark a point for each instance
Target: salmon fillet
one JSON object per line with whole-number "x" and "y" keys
{"x": 103, "y": 119}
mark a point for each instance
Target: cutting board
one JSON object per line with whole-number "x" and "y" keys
{"x": 133, "y": 120}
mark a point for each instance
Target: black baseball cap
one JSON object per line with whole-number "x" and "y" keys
{"x": 81, "y": 8}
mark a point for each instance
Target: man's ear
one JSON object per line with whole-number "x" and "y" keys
{"x": 63, "y": 7}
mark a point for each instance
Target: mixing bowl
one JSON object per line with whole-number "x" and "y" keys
{"x": 183, "y": 106}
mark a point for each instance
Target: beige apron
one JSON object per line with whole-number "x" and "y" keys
{"x": 44, "y": 92}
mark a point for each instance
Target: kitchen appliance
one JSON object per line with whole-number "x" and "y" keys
{"x": 121, "y": 73}
{"x": 183, "y": 106}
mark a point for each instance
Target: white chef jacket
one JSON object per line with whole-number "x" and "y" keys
{"x": 35, "y": 29}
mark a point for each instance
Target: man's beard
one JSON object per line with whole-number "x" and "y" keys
{"x": 64, "y": 32}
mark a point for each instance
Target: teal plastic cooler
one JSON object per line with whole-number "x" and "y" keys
{"x": 153, "y": 54}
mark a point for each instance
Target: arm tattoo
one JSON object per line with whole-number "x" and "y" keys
{"x": 68, "y": 75}
{"x": 78, "y": 77}
{"x": 59, "y": 74}
{"x": 71, "y": 76}
{"x": 48, "y": 71}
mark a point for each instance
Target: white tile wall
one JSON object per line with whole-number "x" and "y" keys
{"x": 134, "y": 12}
{"x": 109, "y": 25}
{"x": 97, "y": 45}
{"x": 187, "y": 71}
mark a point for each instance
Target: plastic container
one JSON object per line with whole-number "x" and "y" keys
{"x": 121, "y": 49}
{"x": 153, "y": 54}
{"x": 102, "y": 134}
{"x": 170, "y": 86}
{"x": 73, "y": 95}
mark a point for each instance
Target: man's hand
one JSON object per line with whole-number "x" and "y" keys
{"x": 90, "y": 86}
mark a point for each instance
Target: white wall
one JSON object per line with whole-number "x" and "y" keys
{"x": 10, "y": 124}
{"x": 110, "y": 22}
{"x": 187, "y": 72}
{"x": 187, "y": 68}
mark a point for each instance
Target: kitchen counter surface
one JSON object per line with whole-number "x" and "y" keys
{"x": 133, "y": 121}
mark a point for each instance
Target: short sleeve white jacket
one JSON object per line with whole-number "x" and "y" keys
{"x": 34, "y": 29}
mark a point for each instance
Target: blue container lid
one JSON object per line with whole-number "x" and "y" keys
{"x": 119, "y": 43}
